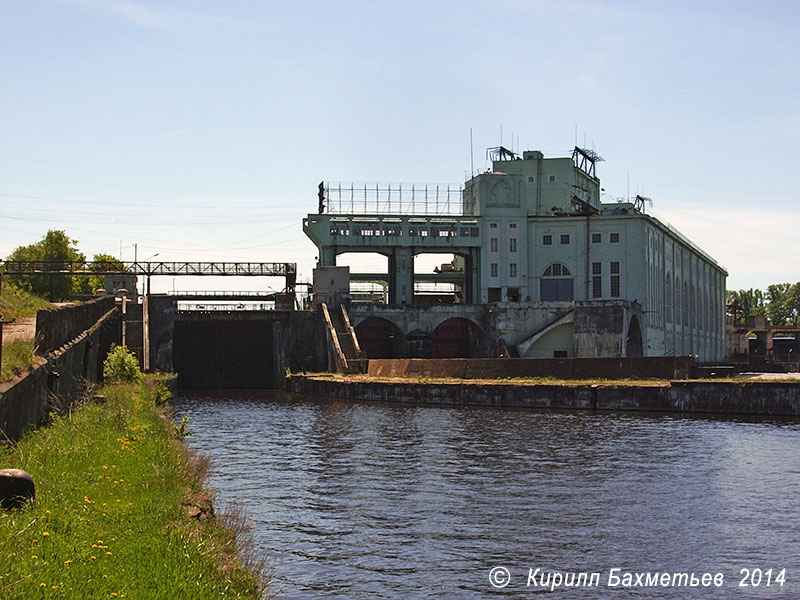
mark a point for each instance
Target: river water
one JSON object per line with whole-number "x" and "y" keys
{"x": 364, "y": 500}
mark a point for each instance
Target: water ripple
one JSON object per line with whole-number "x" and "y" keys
{"x": 385, "y": 501}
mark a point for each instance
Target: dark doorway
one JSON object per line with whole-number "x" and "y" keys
{"x": 456, "y": 338}
{"x": 216, "y": 354}
{"x": 378, "y": 338}
{"x": 634, "y": 347}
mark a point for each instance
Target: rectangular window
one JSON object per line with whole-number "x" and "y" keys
{"x": 597, "y": 238}
{"x": 560, "y": 354}
{"x": 512, "y": 225}
{"x": 547, "y": 239}
{"x": 597, "y": 286}
{"x": 531, "y": 179}
{"x": 597, "y": 280}
{"x": 493, "y": 270}
{"x": 513, "y": 294}
{"x": 564, "y": 239}
{"x": 512, "y": 270}
{"x": 492, "y": 225}
{"x": 551, "y": 178}
{"x": 615, "y": 289}
{"x": 495, "y": 294}
{"x": 493, "y": 245}
{"x": 613, "y": 238}
{"x": 512, "y": 245}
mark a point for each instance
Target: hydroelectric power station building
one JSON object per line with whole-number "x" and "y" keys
{"x": 542, "y": 267}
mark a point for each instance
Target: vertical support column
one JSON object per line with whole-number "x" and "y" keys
{"x": 146, "y": 329}
{"x": 327, "y": 256}
{"x": 401, "y": 276}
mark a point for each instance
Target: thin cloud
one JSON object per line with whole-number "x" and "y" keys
{"x": 126, "y": 10}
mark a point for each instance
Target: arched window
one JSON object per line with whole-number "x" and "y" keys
{"x": 557, "y": 270}
{"x": 686, "y": 322}
{"x": 557, "y": 284}
{"x": 669, "y": 297}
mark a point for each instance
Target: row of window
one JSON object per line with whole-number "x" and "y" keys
{"x": 413, "y": 231}
{"x": 564, "y": 238}
{"x": 494, "y": 270}
{"x": 512, "y": 245}
{"x": 550, "y": 179}
{"x": 597, "y": 280}
{"x": 510, "y": 225}
{"x": 693, "y": 307}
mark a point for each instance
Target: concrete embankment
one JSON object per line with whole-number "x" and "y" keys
{"x": 763, "y": 398}
{"x": 72, "y": 342}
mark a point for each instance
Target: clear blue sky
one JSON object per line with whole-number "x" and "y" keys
{"x": 199, "y": 130}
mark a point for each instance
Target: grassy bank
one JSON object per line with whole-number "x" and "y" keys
{"x": 116, "y": 512}
{"x": 15, "y": 303}
{"x": 17, "y": 358}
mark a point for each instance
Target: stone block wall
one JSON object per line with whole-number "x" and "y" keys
{"x": 59, "y": 325}
{"x": 59, "y": 377}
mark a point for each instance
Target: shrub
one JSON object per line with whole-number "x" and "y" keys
{"x": 121, "y": 366}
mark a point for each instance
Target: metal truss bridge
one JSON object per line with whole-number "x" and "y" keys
{"x": 148, "y": 269}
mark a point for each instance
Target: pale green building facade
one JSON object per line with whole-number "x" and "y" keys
{"x": 532, "y": 235}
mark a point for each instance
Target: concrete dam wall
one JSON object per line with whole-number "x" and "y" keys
{"x": 215, "y": 350}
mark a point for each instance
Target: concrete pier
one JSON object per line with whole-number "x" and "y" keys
{"x": 760, "y": 398}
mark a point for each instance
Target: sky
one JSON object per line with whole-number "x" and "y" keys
{"x": 198, "y": 130}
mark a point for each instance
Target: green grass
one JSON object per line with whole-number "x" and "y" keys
{"x": 109, "y": 518}
{"x": 15, "y": 303}
{"x": 18, "y": 357}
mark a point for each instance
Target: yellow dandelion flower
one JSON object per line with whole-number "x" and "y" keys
{"x": 113, "y": 594}
{"x": 45, "y": 534}
{"x": 34, "y": 557}
{"x": 108, "y": 553}
{"x": 66, "y": 562}
{"x": 105, "y": 576}
{"x": 47, "y": 513}
{"x": 94, "y": 558}
{"x": 55, "y": 587}
{"x": 42, "y": 585}
{"x": 105, "y": 466}
{"x": 99, "y": 541}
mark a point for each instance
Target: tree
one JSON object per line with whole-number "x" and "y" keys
{"x": 56, "y": 247}
{"x": 778, "y": 309}
{"x": 102, "y": 262}
{"x": 793, "y": 303}
{"x": 746, "y": 303}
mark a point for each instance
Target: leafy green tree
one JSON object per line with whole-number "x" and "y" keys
{"x": 56, "y": 247}
{"x": 102, "y": 262}
{"x": 778, "y": 309}
{"x": 745, "y": 303}
{"x": 793, "y": 303}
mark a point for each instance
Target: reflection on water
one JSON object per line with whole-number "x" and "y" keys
{"x": 383, "y": 501}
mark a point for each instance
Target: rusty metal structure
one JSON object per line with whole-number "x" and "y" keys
{"x": 149, "y": 269}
